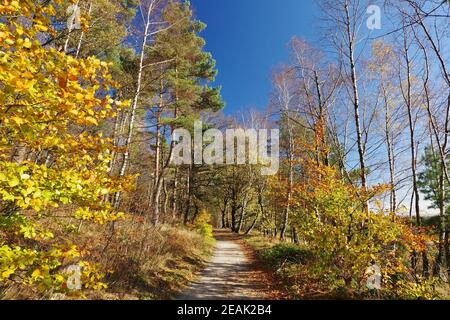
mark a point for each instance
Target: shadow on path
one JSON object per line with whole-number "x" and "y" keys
{"x": 230, "y": 275}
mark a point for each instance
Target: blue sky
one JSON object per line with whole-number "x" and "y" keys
{"x": 248, "y": 39}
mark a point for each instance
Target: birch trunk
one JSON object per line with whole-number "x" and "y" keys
{"x": 131, "y": 123}
{"x": 354, "y": 83}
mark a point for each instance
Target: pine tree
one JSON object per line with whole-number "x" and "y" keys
{"x": 434, "y": 186}
{"x": 429, "y": 180}
{"x": 184, "y": 90}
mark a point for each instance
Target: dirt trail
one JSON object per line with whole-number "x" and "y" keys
{"x": 231, "y": 274}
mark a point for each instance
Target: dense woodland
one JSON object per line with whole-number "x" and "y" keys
{"x": 86, "y": 149}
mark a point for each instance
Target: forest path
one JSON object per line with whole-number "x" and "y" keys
{"x": 232, "y": 274}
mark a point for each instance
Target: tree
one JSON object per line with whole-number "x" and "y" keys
{"x": 382, "y": 66}
{"x": 346, "y": 239}
{"x": 422, "y": 23}
{"x": 346, "y": 16}
{"x": 283, "y": 101}
{"x": 433, "y": 185}
{"x": 429, "y": 180}
{"x": 185, "y": 79}
{"x": 48, "y": 106}
{"x": 148, "y": 9}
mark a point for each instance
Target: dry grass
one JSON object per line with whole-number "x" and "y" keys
{"x": 289, "y": 276}
{"x": 291, "y": 264}
{"x": 139, "y": 260}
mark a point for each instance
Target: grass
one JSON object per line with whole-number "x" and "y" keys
{"x": 139, "y": 261}
{"x": 282, "y": 253}
{"x": 291, "y": 266}
{"x": 283, "y": 260}
{"x": 167, "y": 266}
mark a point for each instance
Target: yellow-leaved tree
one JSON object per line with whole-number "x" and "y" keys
{"x": 348, "y": 243}
{"x": 51, "y": 152}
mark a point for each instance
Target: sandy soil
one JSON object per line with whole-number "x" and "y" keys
{"x": 232, "y": 274}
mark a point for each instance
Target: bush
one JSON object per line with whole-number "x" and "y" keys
{"x": 139, "y": 261}
{"x": 203, "y": 224}
{"x": 282, "y": 253}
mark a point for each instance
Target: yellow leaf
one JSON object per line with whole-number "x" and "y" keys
{"x": 36, "y": 273}
{"x": 18, "y": 120}
{"x": 13, "y": 182}
{"x": 7, "y": 273}
{"x": 79, "y": 97}
{"x": 27, "y": 43}
{"x": 74, "y": 112}
{"x": 41, "y": 28}
{"x": 19, "y": 30}
{"x": 92, "y": 120}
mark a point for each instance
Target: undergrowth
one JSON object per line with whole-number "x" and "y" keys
{"x": 138, "y": 260}
{"x": 294, "y": 268}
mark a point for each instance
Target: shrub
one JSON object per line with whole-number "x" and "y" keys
{"x": 283, "y": 253}
{"x": 346, "y": 239}
{"x": 203, "y": 224}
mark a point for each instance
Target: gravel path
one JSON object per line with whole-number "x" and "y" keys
{"x": 230, "y": 275}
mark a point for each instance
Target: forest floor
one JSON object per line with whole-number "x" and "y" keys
{"x": 233, "y": 273}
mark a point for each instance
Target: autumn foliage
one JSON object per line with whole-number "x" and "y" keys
{"x": 51, "y": 155}
{"x": 346, "y": 240}
{"x": 88, "y": 181}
